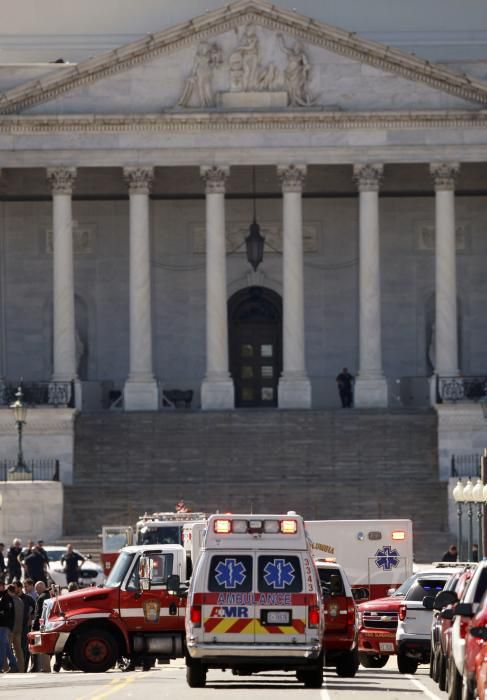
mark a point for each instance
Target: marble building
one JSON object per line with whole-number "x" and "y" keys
{"x": 129, "y": 179}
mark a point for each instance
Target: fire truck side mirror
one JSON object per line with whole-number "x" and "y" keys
{"x": 173, "y": 584}
{"x": 360, "y": 593}
{"x": 144, "y": 573}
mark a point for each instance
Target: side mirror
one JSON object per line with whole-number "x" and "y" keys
{"x": 144, "y": 573}
{"x": 89, "y": 556}
{"x": 447, "y": 614}
{"x": 360, "y": 593}
{"x": 464, "y": 609}
{"x": 444, "y": 598}
{"x": 391, "y": 591}
{"x": 428, "y": 601}
{"x": 325, "y": 590}
{"x": 479, "y": 632}
{"x": 173, "y": 584}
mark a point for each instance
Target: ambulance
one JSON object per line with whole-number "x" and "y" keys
{"x": 254, "y": 601}
{"x": 377, "y": 555}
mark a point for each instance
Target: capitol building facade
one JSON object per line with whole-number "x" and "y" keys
{"x": 135, "y": 160}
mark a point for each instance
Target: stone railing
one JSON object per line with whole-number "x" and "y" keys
{"x": 39, "y": 393}
{"x": 462, "y": 388}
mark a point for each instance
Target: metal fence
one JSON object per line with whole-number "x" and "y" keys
{"x": 465, "y": 465}
{"x": 33, "y": 470}
{"x": 462, "y": 388}
{"x": 40, "y": 393}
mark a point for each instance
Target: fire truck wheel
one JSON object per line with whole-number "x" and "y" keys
{"x": 373, "y": 660}
{"x": 347, "y": 664}
{"x": 95, "y": 651}
{"x": 441, "y": 671}
{"x": 196, "y": 675}
{"x": 406, "y": 665}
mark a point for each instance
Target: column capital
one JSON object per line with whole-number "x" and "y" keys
{"x": 138, "y": 179}
{"x": 292, "y": 177}
{"x": 61, "y": 180}
{"x": 444, "y": 175}
{"x": 368, "y": 177}
{"x": 215, "y": 177}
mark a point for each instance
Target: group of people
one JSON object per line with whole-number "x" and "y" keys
{"x": 25, "y": 601}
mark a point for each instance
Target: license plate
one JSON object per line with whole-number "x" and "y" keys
{"x": 386, "y": 646}
{"x": 276, "y": 617}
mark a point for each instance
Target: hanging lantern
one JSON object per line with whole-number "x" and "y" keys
{"x": 255, "y": 240}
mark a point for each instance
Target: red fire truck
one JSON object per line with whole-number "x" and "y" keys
{"x": 154, "y": 528}
{"x": 136, "y": 617}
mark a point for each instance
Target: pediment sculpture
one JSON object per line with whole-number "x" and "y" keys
{"x": 247, "y": 75}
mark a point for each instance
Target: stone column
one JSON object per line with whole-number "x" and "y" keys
{"x": 370, "y": 384}
{"x": 446, "y": 332}
{"x": 294, "y": 385}
{"x": 217, "y": 390}
{"x": 140, "y": 391}
{"x": 64, "y": 326}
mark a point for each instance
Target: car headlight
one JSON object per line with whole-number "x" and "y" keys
{"x": 53, "y": 625}
{"x": 360, "y": 617}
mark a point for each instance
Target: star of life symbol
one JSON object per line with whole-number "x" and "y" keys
{"x": 279, "y": 573}
{"x": 387, "y": 558}
{"x": 230, "y": 573}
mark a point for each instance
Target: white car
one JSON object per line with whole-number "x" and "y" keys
{"x": 90, "y": 573}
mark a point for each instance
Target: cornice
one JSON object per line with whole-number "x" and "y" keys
{"x": 201, "y": 122}
{"x": 226, "y": 19}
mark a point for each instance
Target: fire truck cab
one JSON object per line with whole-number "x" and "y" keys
{"x": 255, "y": 600}
{"x": 138, "y": 615}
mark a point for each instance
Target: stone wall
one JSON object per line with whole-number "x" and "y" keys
{"x": 31, "y": 510}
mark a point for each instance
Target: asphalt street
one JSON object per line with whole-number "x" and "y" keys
{"x": 170, "y": 682}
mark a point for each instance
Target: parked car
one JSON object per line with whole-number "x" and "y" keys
{"x": 413, "y": 636}
{"x": 462, "y": 614}
{"x": 475, "y": 663}
{"x": 340, "y": 636}
{"x": 90, "y": 573}
{"x": 441, "y": 626}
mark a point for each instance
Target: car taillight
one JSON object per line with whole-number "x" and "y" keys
{"x": 464, "y": 624}
{"x": 313, "y": 616}
{"x": 195, "y": 615}
{"x": 402, "y": 612}
{"x": 350, "y": 612}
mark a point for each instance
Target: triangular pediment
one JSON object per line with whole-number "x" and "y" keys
{"x": 210, "y": 62}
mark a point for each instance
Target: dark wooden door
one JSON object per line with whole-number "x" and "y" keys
{"x": 255, "y": 348}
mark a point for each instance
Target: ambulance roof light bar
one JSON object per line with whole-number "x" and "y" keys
{"x": 239, "y": 526}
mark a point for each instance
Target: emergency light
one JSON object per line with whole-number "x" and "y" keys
{"x": 225, "y": 526}
{"x": 398, "y": 535}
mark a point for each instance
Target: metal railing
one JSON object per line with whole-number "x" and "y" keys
{"x": 40, "y": 393}
{"x": 462, "y": 388}
{"x": 465, "y": 465}
{"x": 34, "y": 470}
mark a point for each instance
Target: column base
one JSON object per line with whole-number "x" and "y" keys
{"x": 217, "y": 395}
{"x": 370, "y": 392}
{"x": 294, "y": 393}
{"x": 141, "y": 396}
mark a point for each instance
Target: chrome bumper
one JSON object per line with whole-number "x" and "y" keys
{"x": 255, "y": 651}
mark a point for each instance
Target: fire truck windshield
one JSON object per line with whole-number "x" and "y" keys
{"x": 120, "y": 568}
{"x": 159, "y": 534}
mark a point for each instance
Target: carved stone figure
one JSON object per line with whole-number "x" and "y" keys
{"x": 246, "y": 72}
{"x": 297, "y": 74}
{"x": 198, "y": 86}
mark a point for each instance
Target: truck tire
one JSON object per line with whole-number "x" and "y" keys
{"x": 373, "y": 660}
{"x": 95, "y": 650}
{"x": 196, "y": 675}
{"x": 468, "y": 692}
{"x": 312, "y": 677}
{"x": 454, "y": 682}
{"x": 441, "y": 671}
{"x": 347, "y": 664}
{"x": 406, "y": 665}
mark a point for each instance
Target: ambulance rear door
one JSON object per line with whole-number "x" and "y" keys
{"x": 285, "y": 587}
{"x": 227, "y": 603}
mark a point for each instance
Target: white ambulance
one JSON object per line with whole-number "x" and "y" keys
{"x": 377, "y": 555}
{"x": 254, "y": 601}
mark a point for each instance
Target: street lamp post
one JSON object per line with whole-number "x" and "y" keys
{"x": 468, "y": 498}
{"x": 479, "y": 499}
{"x": 458, "y": 497}
{"x": 20, "y": 414}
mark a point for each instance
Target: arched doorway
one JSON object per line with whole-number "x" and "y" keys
{"x": 255, "y": 337}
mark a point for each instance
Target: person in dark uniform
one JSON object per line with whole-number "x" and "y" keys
{"x": 14, "y": 570}
{"x": 71, "y": 561}
{"x": 35, "y": 565}
{"x": 7, "y": 618}
{"x": 451, "y": 553}
{"x": 345, "y": 387}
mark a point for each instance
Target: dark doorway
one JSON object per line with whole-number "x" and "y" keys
{"x": 255, "y": 333}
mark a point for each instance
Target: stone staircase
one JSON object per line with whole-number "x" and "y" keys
{"x": 323, "y": 464}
